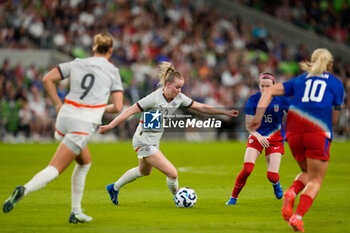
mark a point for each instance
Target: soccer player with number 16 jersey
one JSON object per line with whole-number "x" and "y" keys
{"x": 270, "y": 135}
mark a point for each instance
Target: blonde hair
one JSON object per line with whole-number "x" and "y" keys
{"x": 102, "y": 43}
{"x": 167, "y": 73}
{"x": 320, "y": 59}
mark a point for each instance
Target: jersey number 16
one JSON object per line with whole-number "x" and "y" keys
{"x": 268, "y": 118}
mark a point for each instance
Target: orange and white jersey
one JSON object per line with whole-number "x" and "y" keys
{"x": 91, "y": 82}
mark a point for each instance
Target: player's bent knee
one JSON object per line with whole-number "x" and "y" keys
{"x": 145, "y": 172}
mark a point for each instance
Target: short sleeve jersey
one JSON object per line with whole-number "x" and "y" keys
{"x": 157, "y": 101}
{"x": 312, "y": 103}
{"x": 271, "y": 126}
{"x": 91, "y": 82}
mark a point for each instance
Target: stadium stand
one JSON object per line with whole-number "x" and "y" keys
{"x": 324, "y": 17}
{"x": 219, "y": 55}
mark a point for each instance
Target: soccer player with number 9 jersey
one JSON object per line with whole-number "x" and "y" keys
{"x": 92, "y": 81}
{"x": 317, "y": 97}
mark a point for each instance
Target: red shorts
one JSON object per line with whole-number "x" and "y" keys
{"x": 275, "y": 146}
{"x": 309, "y": 145}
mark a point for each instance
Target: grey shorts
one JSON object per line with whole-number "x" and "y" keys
{"x": 75, "y": 133}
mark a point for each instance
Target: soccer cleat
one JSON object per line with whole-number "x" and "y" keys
{"x": 79, "y": 218}
{"x": 17, "y": 195}
{"x": 296, "y": 223}
{"x": 232, "y": 201}
{"x": 112, "y": 193}
{"x": 277, "y": 189}
{"x": 288, "y": 204}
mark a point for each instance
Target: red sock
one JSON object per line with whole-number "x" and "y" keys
{"x": 273, "y": 177}
{"x": 297, "y": 186}
{"x": 304, "y": 204}
{"x": 242, "y": 178}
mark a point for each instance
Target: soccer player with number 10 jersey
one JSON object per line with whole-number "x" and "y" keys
{"x": 316, "y": 99}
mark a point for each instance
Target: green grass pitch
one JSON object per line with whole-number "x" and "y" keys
{"x": 146, "y": 205}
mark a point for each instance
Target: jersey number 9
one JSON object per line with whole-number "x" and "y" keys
{"x": 86, "y": 84}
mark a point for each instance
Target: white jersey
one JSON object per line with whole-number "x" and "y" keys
{"x": 91, "y": 82}
{"x": 153, "y": 102}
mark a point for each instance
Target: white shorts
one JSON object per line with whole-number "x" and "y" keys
{"x": 146, "y": 144}
{"x": 145, "y": 151}
{"x": 75, "y": 133}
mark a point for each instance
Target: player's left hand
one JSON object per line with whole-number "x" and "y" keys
{"x": 104, "y": 129}
{"x": 232, "y": 113}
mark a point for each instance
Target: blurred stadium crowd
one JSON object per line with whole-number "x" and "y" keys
{"x": 329, "y": 18}
{"x": 219, "y": 56}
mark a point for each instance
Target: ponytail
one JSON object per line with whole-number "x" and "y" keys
{"x": 167, "y": 73}
{"x": 320, "y": 59}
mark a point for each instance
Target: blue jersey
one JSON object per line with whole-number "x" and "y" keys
{"x": 312, "y": 103}
{"x": 271, "y": 126}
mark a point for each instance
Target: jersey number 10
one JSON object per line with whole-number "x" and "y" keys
{"x": 313, "y": 85}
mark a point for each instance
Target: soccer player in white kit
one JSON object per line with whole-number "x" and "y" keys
{"x": 92, "y": 81}
{"x": 164, "y": 100}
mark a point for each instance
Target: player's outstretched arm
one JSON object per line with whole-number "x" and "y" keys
{"x": 120, "y": 118}
{"x": 265, "y": 100}
{"x": 49, "y": 83}
{"x": 205, "y": 108}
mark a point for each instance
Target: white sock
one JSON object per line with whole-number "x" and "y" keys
{"x": 41, "y": 179}
{"x": 173, "y": 185}
{"x": 78, "y": 184}
{"x": 128, "y": 177}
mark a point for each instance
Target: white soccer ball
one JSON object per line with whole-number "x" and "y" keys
{"x": 185, "y": 197}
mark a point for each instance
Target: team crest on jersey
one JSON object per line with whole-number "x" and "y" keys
{"x": 251, "y": 141}
{"x": 276, "y": 107}
{"x": 152, "y": 120}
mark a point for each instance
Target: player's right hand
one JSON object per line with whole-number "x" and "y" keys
{"x": 254, "y": 124}
{"x": 104, "y": 129}
{"x": 232, "y": 113}
{"x": 263, "y": 141}
{"x": 58, "y": 107}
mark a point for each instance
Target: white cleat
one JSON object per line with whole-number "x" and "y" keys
{"x": 81, "y": 217}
